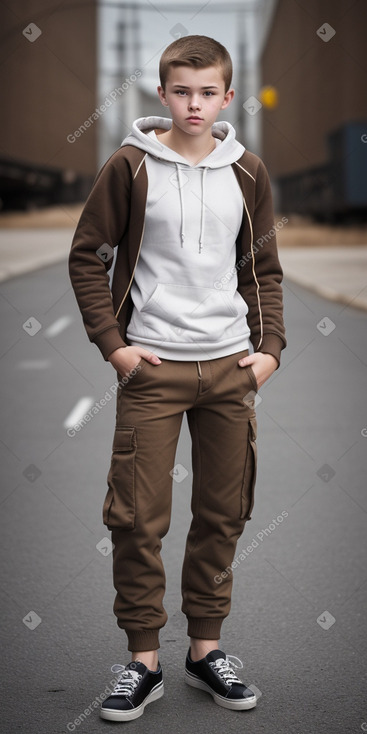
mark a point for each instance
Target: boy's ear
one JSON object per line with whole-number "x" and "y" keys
{"x": 227, "y": 99}
{"x": 162, "y": 96}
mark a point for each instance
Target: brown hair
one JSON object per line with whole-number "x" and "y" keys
{"x": 199, "y": 52}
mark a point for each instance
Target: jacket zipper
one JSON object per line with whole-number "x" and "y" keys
{"x": 254, "y": 273}
{"x": 138, "y": 253}
{"x": 133, "y": 273}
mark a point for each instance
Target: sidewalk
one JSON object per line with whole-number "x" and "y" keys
{"x": 337, "y": 270}
{"x": 23, "y": 250}
{"x": 336, "y": 273}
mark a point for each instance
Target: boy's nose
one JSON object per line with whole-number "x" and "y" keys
{"x": 194, "y": 103}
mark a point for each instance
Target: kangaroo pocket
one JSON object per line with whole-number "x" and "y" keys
{"x": 185, "y": 313}
{"x": 119, "y": 503}
{"x": 249, "y": 476}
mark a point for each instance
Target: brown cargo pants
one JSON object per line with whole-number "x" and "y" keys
{"x": 218, "y": 397}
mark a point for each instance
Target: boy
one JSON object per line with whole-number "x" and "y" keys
{"x": 185, "y": 204}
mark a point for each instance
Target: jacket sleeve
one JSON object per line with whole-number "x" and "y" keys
{"x": 102, "y": 225}
{"x": 263, "y": 275}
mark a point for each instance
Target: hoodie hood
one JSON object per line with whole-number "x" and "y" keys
{"x": 227, "y": 151}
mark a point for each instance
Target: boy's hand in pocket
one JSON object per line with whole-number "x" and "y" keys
{"x": 263, "y": 365}
{"x": 125, "y": 359}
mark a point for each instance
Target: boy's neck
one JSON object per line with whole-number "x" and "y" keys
{"x": 192, "y": 147}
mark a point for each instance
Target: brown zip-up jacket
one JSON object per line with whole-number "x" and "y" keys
{"x": 114, "y": 214}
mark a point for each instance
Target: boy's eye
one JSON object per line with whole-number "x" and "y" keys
{"x": 183, "y": 93}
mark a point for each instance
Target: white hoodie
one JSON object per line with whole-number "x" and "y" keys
{"x": 193, "y": 215}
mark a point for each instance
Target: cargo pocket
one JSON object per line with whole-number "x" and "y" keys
{"x": 249, "y": 476}
{"x": 119, "y": 504}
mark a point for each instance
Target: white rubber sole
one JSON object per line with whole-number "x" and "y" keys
{"x": 195, "y": 682}
{"x": 113, "y": 715}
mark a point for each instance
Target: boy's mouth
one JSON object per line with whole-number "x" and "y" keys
{"x": 194, "y": 118}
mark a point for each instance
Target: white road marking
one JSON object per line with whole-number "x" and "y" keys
{"x": 58, "y": 326}
{"x": 79, "y": 410}
{"x": 33, "y": 364}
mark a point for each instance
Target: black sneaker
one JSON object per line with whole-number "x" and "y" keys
{"x": 135, "y": 688}
{"x": 215, "y": 674}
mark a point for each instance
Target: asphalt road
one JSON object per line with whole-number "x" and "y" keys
{"x": 298, "y": 619}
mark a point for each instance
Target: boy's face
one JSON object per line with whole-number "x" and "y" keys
{"x": 195, "y": 97}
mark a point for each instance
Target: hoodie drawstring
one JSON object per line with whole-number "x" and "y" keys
{"x": 182, "y": 207}
{"x": 179, "y": 181}
{"x": 202, "y": 224}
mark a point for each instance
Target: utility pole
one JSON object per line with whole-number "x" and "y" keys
{"x": 241, "y": 90}
{"x": 127, "y": 52}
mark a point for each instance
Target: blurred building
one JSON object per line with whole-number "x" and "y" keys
{"x": 313, "y": 140}
{"x": 48, "y": 74}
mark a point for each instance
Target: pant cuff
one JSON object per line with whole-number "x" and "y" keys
{"x": 204, "y": 629}
{"x": 142, "y": 640}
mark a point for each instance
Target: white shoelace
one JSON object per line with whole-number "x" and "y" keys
{"x": 224, "y": 668}
{"x": 127, "y": 681}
